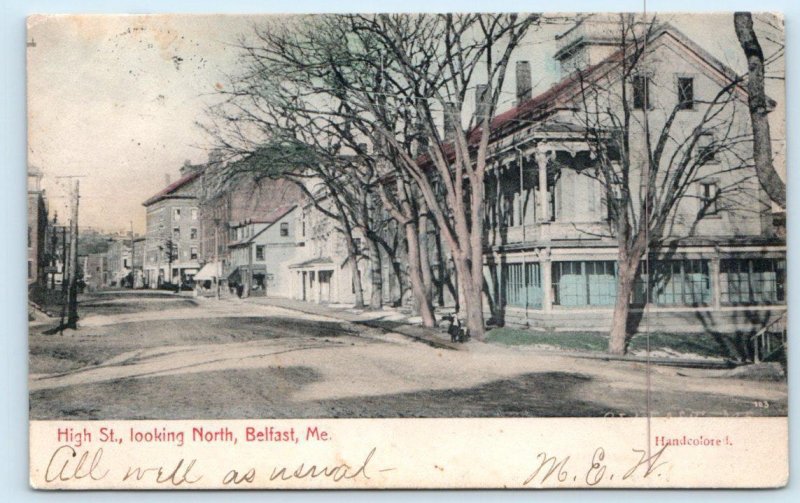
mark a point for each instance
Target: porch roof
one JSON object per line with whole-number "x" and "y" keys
{"x": 313, "y": 262}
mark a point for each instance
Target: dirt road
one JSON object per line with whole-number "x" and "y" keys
{"x": 143, "y": 355}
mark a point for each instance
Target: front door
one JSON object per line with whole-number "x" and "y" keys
{"x": 325, "y": 286}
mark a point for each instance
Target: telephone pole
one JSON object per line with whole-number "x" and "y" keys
{"x": 217, "y": 267}
{"x": 64, "y": 277}
{"x": 72, "y": 317}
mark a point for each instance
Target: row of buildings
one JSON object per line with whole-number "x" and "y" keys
{"x": 549, "y": 259}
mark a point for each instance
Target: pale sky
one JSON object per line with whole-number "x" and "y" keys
{"x": 115, "y": 99}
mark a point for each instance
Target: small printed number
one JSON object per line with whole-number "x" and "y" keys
{"x": 761, "y": 404}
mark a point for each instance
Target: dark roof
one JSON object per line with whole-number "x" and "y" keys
{"x": 313, "y": 261}
{"x": 560, "y": 95}
{"x": 270, "y": 219}
{"x": 170, "y": 189}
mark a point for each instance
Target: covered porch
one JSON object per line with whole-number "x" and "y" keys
{"x": 314, "y": 280}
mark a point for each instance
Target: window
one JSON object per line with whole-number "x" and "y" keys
{"x": 176, "y": 233}
{"x": 303, "y": 225}
{"x": 30, "y": 269}
{"x": 552, "y": 202}
{"x": 641, "y": 92}
{"x": 357, "y": 245}
{"x": 521, "y": 285}
{"x": 584, "y": 283}
{"x": 193, "y": 253}
{"x": 708, "y": 198}
{"x": 752, "y": 281}
{"x": 284, "y": 229}
{"x": 30, "y": 236}
{"x": 685, "y": 93}
{"x": 193, "y": 233}
{"x": 705, "y": 148}
{"x": 260, "y": 252}
{"x": 674, "y": 283}
{"x": 194, "y": 213}
{"x": 176, "y": 214}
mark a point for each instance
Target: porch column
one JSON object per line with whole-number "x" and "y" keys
{"x": 715, "y": 283}
{"x": 543, "y": 155}
{"x": 547, "y": 279}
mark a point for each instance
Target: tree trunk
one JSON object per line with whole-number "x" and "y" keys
{"x": 352, "y": 256}
{"x": 423, "y": 303}
{"x": 472, "y": 308}
{"x": 618, "y": 337}
{"x": 359, "y": 289}
{"x": 424, "y": 258}
{"x": 442, "y": 270}
{"x": 772, "y": 184}
{"x": 376, "y": 273}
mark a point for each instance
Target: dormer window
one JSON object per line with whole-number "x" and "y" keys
{"x": 709, "y": 193}
{"x": 706, "y": 152}
{"x": 685, "y": 93}
{"x": 641, "y": 92}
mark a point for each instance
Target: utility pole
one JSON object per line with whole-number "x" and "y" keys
{"x": 64, "y": 273}
{"x": 217, "y": 268}
{"x": 249, "y": 269}
{"x": 72, "y": 319}
{"x": 54, "y": 255}
{"x": 133, "y": 272}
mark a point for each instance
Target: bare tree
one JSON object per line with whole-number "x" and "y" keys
{"x": 427, "y": 66}
{"x": 389, "y": 79}
{"x": 760, "y": 107}
{"x": 651, "y": 157}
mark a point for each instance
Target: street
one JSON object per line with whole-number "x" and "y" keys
{"x": 158, "y": 355}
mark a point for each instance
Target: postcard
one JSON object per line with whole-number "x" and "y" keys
{"x": 532, "y": 250}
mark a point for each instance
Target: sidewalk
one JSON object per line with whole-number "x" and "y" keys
{"x": 386, "y": 319}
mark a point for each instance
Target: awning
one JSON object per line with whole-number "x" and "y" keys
{"x": 209, "y": 271}
{"x": 322, "y": 261}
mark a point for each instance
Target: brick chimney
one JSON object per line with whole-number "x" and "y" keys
{"x": 523, "y": 81}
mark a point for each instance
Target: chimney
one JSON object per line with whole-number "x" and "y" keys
{"x": 450, "y": 121}
{"x": 523, "y": 81}
{"x": 167, "y": 179}
{"x": 481, "y": 102}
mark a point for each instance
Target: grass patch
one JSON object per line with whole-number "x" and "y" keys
{"x": 698, "y": 344}
{"x": 575, "y": 341}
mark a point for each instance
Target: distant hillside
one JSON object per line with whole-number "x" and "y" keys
{"x": 91, "y": 241}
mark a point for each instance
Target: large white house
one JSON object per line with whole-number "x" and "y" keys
{"x": 551, "y": 258}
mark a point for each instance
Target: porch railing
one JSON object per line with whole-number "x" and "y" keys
{"x": 770, "y": 340}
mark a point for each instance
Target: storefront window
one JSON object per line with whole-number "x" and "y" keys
{"x": 584, "y": 283}
{"x": 752, "y": 281}
{"x": 521, "y": 285}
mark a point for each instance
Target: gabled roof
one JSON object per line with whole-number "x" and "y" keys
{"x": 270, "y": 219}
{"x": 169, "y": 190}
{"x": 560, "y": 94}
